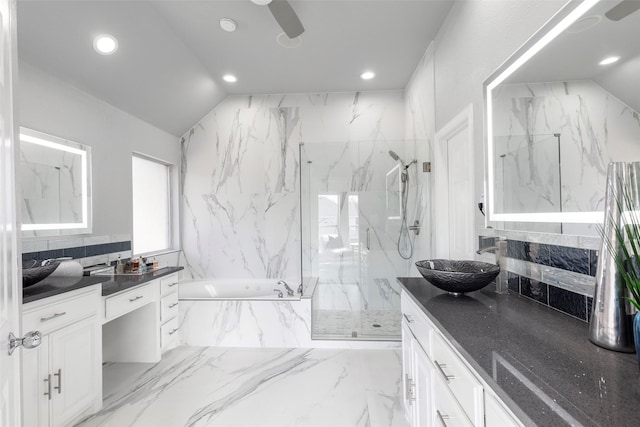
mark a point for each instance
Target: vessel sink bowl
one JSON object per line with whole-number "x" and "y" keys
{"x": 34, "y": 272}
{"x": 457, "y": 277}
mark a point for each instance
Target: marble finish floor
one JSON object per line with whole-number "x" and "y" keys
{"x": 257, "y": 387}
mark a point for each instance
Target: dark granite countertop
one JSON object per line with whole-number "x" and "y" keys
{"x": 111, "y": 284}
{"x": 539, "y": 361}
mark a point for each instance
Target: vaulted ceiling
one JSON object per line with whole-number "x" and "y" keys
{"x": 172, "y": 53}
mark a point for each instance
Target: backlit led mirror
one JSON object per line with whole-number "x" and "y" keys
{"x": 56, "y": 185}
{"x": 557, "y": 112}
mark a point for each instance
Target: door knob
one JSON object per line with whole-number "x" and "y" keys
{"x": 31, "y": 340}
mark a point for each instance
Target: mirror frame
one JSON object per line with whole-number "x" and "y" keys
{"x": 46, "y": 229}
{"x": 567, "y": 15}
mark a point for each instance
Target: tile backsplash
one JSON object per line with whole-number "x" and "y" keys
{"x": 88, "y": 251}
{"x": 560, "y": 277}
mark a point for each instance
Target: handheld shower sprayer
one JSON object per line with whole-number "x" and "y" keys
{"x": 404, "y": 229}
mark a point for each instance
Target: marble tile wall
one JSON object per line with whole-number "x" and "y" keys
{"x": 241, "y": 175}
{"x": 419, "y": 113}
{"x": 595, "y": 128}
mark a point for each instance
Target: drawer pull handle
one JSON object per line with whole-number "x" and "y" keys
{"x": 442, "y": 418}
{"x": 409, "y": 389}
{"x": 408, "y": 318}
{"x": 173, "y": 305}
{"x": 446, "y": 377}
{"x": 173, "y": 331}
{"x": 48, "y": 381}
{"x": 59, "y": 375}
{"x": 53, "y": 316}
{"x": 171, "y": 285}
{"x": 135, "y": 298}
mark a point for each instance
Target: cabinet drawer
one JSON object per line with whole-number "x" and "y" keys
{"x": 496, "y": 415}
{"x": 169, "y": 307}
{"x": 169, "y": 333}
{"x": 169, "y": 284}
{"x": 459, "y": 379}
{"x": 52, "y": 315}
{"x": 446, "y": 411}
{"x": 417, "y": 321}
{"x": 120, "y": 304}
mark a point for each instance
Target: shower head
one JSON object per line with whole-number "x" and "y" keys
{"x": 394, "y": 156}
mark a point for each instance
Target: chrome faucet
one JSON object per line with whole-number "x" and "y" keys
{"x": 300, "y": 289}
{"x": 493, "y": 249}
{"x": 279, "y": 291}
{"x": 289, "y": 290}
{"x": 500, "y": 250}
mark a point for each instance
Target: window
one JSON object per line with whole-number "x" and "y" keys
{"x": 151, "y": 205}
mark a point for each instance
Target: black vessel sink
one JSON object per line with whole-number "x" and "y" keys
{"x": 457, "y": 277}
{"x": 33, "y": 271}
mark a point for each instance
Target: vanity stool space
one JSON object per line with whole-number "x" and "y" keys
{"x": 141, "y": 323}
{"x": 440, "y": 387}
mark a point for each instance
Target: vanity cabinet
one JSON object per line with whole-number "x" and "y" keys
{"x": 62, "y": 378}
{"x": 169, "y": 312}
{"x": 440, "y": 387}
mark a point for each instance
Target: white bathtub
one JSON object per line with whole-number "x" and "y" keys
{"x": 236, "y": 290}
{"x": 243, "y": 313}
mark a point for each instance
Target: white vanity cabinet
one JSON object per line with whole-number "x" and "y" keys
{"x": 62, "y": 378}
{"x": 440, "y": 387}
{"x": 169, "y": 312}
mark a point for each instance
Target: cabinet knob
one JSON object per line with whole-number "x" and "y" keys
{"x": 30, "y": 340}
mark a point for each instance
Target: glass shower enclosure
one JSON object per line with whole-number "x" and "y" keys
{"x": 351, "y": 206}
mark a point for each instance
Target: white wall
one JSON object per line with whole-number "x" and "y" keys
{"x": 52, "y": 106}
{"x": 475, "y": 39}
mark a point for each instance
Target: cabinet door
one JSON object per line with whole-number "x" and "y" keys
{"x": 495, "y": 413}
{"x": 74, "y": 370}
{"x": 407, "y": 371}
{"x": 35, "y": 383}
{"x": 422, "y": 368}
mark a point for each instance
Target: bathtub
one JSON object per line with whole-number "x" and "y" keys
{"x": 242, "y": 313}
{"x": 235, "y": 289}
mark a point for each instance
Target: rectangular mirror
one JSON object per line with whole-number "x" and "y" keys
{"x": 557, "y": 112}
{"x": 56, "y": 185}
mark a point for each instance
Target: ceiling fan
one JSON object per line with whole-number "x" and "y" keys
{"x": 623, "y": 9}
{"x": 284, "y": 15}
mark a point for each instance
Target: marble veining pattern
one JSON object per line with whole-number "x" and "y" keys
{"x": 595, "y": 128}
{"x": 195, "y": 386}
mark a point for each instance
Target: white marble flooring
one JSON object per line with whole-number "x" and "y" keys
{"x": 258, "y": 387}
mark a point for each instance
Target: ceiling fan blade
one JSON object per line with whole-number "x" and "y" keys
{"x": 623, "y": 9}
{"x": 286, "y": 18}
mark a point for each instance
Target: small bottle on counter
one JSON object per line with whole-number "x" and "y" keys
{"x": 119, "y": 266}
{"x": 136, "y": 265}
{"x": 155, "y": 263}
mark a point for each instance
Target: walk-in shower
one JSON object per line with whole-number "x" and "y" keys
{"x": 354, "y": 200}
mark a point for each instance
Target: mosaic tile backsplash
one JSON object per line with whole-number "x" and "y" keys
{"x": 575, "y": 261}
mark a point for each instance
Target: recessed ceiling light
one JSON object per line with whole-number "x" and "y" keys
{"x": 367, "y": 75}
{"x": 105, "y": 44}
{"x": 228, "y": 24}
{"x": 261, "y": 2}
{"x": 229, "y": 78}
{"x": 609, "y": 60}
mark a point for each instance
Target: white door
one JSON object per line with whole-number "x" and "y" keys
{"x": 73, "y": 370}
{"x": 9, "y": 297}
{"x": 453, "y": 205}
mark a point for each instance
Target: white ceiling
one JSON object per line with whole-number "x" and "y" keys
{"x": 575, "y": 56}
{"x": 172, "y": 54}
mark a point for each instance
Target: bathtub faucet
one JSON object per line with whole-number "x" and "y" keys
{"x": 279, "y": 291}
{"x": 289, "y": 290}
